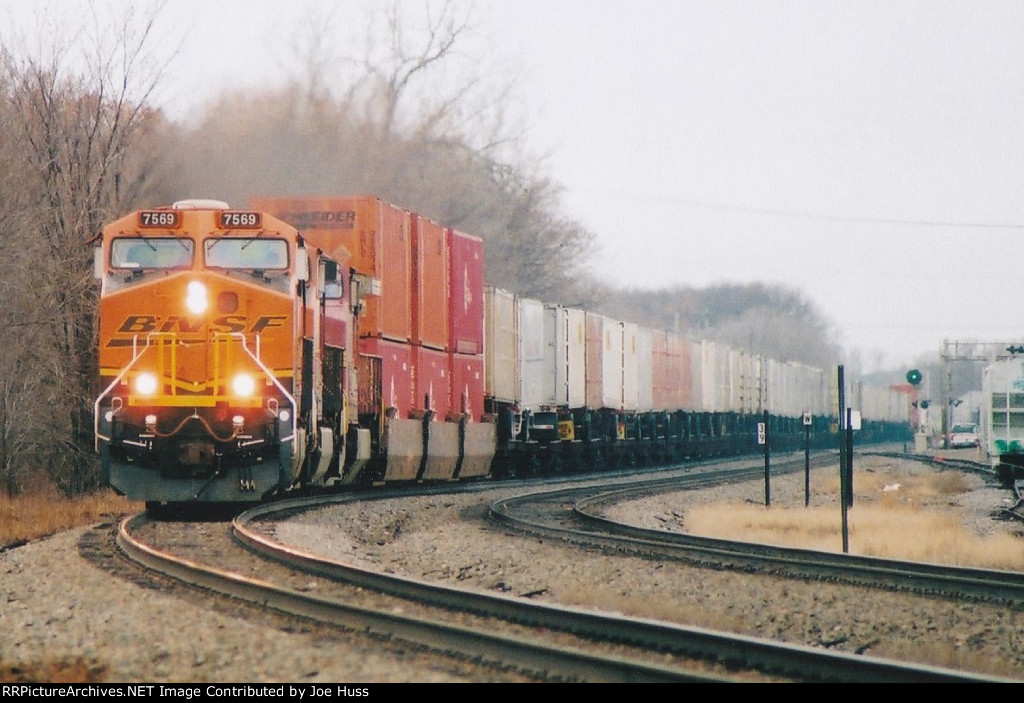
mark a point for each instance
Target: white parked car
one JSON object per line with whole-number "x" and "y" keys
{"x": 963, "y": 436}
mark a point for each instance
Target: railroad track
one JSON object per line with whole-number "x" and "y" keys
{"x": 575, "y": 515}
{"x": 476, "y": 639}
{"x": 638, "y": 648}
{"x": 1016, "y": 511}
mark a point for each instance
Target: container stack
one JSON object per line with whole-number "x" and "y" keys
{"x": 419, "y": 331}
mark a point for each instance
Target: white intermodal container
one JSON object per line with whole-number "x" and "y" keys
{"x": 637, "y": 381}
{"x": 502, "y": 348}
{"x": 696, "y": 353}
{"x": 744, "y": 390}
{"x": 714, "y": 376}
{"x": 565, "y": 353}
{"x": 533, "y": 384}
{"x": 1002, "y": 412}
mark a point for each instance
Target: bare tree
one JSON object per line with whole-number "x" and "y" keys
{"x": 73, "y": 143}
{"x": 415, "y": 120}
{"x": 419, "y": 79}
{"x": 23, "y": 427}
{"x": 20, "y": 401}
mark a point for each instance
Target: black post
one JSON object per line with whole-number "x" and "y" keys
{"x": 807, "y": 463}
{"x": 842, "y": 460}
{"x": 842, "y": 437}
{"x": 849, "y": 457}
{"x": 846, "y": 524}
{"x": 767, "y": 472}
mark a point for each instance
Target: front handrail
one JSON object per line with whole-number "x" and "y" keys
{"x": 136, "y": 354}
{"x": 228, "y": 336}
{"x": 269, "y": 374}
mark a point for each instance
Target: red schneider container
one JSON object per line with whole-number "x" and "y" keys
{"x": 433, "y": 381}
{"x": 429, "y": 284}
{"x": 364, "y": 233}
{"x": 387, "y": 373}
{"x": 467, "y": 382}
{"x": 466, "y": 296}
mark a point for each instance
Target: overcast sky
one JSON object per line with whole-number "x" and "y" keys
{"x": 868, "y": 154}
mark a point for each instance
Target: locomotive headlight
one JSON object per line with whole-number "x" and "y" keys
{"x": 195, "y": 297}
{"x": 243, "y": 385}
{"x": 145, "y": 383}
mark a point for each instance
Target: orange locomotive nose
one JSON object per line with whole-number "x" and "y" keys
{"x": 196, "y": 352}
{"x": 198, "y": 327}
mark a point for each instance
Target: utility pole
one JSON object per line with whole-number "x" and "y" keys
{"x": 947, "y": 392}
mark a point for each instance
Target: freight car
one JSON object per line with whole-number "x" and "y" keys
{"x": 1002, "y": 418}
{"x": 341, "y": 341}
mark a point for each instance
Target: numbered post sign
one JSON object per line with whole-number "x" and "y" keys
{"x": 760, "y": 433}
{"x": 855, "y": 419}
{"x": 807, "y": 419}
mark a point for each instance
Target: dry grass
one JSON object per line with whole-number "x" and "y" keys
{"x": 918, "y": 521}
{"x": 44, "y": 512}
{"x": 75, "y": 671}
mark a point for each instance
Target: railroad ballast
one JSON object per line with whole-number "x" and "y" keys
{"x": 337, "y": 341}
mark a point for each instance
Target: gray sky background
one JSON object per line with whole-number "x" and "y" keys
{"x": 869, "y": 154}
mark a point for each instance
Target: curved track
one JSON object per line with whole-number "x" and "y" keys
{"x": 574, "y": 514}
{"x": 477, "y": 643}
{"x": 550, "y": 642}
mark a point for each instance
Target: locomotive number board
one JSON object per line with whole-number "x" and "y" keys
{"x": 240, "y": 219}
{"x": 159, "y": 219}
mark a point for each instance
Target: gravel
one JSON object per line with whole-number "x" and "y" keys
{"x": 57, "y": 604}
{"x": 58, "y": 607}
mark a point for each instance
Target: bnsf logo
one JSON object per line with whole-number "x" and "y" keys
{"x": 142, "y": 324}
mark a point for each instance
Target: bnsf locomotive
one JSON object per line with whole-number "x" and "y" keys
{"x": 344, "y": 341}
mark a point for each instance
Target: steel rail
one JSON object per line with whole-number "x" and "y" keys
{"x": 958, "y": 581}
{"x": 532, "y": 657}
{"x": 793, "y": 661}
{"x": 990, "y": 585}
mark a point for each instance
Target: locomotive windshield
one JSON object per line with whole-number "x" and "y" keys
{"x": 247, "y": 253}
{"x": 151, "y": 253}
